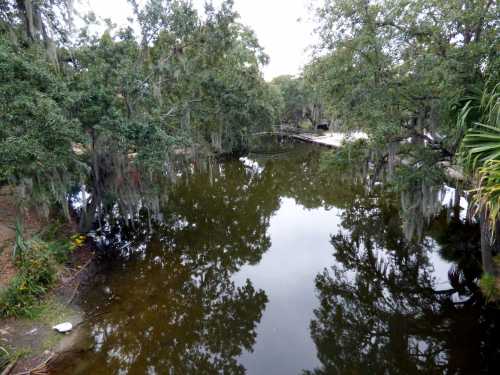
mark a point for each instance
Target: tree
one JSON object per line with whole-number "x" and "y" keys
{"x": 45, "y": 22}
{"x": 396, "y": 69}
{"x": 481, "y": 156}
{"x": 115, "y": 109}
{"x": 299, "y": 101}
{"x": 37, "y": 130}
{"x": 401, "y": 71}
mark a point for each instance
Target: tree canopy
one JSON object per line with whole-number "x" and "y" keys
{"x": 108, "y": 111}
{"x": 403, "y": 72}
{"x": 397, "y": 68}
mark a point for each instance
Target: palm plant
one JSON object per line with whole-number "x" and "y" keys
{"x": 20, "y": 245}
{"x": 480, "y": 151}
{"x": 488, "y": 192}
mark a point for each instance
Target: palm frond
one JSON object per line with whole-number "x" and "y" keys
{"x": 479, "y": 145}
{"x": 488, "y": 192}
{"x": 480, "y": 151}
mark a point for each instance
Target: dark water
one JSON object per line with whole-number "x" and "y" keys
{"x": 267, "y": 266}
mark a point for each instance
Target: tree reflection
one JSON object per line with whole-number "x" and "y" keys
{"x": 164, "y": 314}
{"x": 379, "y": 308}
{"x": 298, "y": 175}
{"x": 221, "y": 216}
{"x": 172, "y": 307}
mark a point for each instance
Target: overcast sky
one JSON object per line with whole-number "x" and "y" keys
{"x": 283, "y": 27}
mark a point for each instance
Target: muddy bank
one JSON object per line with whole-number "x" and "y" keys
{"x": 33, "y": 342}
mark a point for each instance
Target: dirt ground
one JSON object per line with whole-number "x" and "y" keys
{"x": 34, "y": 340}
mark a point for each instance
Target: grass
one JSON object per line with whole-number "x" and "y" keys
{"x": 52, "y": 312}
{"x": 38, "y": 262}
{"x": 5, "y": 358}
{"x": 489, "y": 288}
{"x": 45, "y": 314}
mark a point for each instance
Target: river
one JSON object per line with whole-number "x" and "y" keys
{"x": 270, "y": 265}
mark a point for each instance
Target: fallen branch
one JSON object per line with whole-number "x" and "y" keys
{"x": 80, "y": 270}
{"x": 41, "y": 369}
{"x": 74, "y": 293}
{"x": 83, "y": 268}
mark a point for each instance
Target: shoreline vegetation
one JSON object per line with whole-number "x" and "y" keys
{"x": 92, "y": 123}
{"x": 43, "y": 267}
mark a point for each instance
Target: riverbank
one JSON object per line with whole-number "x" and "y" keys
{"x": 32, "y": 341}
{"x": 29, "y": 338}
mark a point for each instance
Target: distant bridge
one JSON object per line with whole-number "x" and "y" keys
{"x": 327, "y": 139}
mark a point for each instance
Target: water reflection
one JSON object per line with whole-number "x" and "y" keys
{"x": 381, "y": 310}
{"x": 161, "y": 313}
{"x": 227, "y": 266}
{"x": 173, "y": 307}
{"x": 300, "y": 248}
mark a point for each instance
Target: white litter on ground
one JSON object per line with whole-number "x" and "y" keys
{"x": 63, "y": 327}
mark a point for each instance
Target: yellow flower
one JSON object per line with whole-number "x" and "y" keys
{"x": 77, "y": 240}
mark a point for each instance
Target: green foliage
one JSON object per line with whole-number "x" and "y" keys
{"x": 60, "y": 250}
{"x": 343, "y": 158}
{"x": 20, "y": 245}
{"x": 489, "y": 287}
{"x": 37, "y": 267}
{"x": 481, "y": 145}
{"x": 36, "y": 132}
{"x": 480, "y": 150}
{"x": 37, "y": 21}
{"x": 298, "y": 102}
{"x": 482, "y": 123}
{"x": 400, "y": 70}
{"x": 411, "y": 177}
{"x": 5, "y": 358}
{"x": 113, "y": 110}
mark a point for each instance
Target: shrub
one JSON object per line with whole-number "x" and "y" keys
{"x": 37, "y": 272}
{"x": 488, "y": 285}
{"x": 60, "y": 250}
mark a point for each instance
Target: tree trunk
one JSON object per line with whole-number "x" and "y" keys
{"x": 486, "y": 244}
{"x": 87, "y": 217}
{"x": 456, "y": 203}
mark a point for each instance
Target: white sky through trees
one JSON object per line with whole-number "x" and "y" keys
{"x": 283, "y": 27}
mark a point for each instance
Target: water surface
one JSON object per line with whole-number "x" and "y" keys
{"x": 265, "y": 265}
